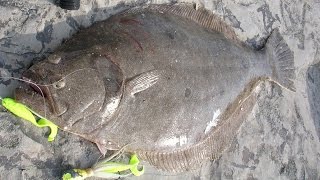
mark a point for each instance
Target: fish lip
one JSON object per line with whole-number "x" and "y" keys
{"x": 34, "y": 93}
{"x": 56, "y": 107}
{"x": 26, "y": 95}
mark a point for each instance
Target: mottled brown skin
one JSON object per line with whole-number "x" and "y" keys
{"x": 154, "y": 78}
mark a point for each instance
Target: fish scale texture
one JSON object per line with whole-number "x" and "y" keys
{"x": 279, "y": 139}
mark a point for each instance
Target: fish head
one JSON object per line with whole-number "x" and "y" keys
{"x": 70, "y": 88}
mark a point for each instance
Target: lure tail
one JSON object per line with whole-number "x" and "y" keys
{"x": 107, "y": 169}
{"x": 24, "y": 112}
{"x": 281, "y": 60}
{"x": 134, "y": 162}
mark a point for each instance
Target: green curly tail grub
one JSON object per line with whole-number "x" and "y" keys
{"x": 134, "y": 162}
{"x": 26, "y": 113}
{"x": 19, "y": 110}
{"x": 107, "y": 169}
{"x": 77, "y": 174}
{"x": 53, "y": 128}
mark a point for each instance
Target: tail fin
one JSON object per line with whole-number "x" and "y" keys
{"x": 281, "y": 60}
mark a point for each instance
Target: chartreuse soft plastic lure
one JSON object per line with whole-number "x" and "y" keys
{"x": 107, "y": 169}
{"x": 26, "y": 113}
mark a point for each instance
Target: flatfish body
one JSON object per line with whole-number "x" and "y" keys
{"x": 172, "y": 83}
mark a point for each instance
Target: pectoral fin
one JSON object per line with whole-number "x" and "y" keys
{"x": 142, "y": 82}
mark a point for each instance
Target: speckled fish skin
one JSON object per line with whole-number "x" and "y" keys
{"x": 173, "y": 82}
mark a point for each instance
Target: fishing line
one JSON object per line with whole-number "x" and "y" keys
{"x": 19, "y": 79}
{"x": 38, "y": 85}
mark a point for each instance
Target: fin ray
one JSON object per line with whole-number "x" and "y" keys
{"x": 142, "y": 82}
{"x": 200, "y": 16}
{"x": 281, "y": 59}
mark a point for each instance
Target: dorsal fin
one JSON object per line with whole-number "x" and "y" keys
{"x": 201, "y": 16}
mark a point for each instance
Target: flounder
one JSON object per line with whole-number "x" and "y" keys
{"x": 171, "y": 82}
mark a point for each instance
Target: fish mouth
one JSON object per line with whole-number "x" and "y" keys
{"x": 34, "y": 96}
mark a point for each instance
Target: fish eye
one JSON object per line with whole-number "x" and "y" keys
{"x": 59, "y": 84}
{"x": 54, "y": 59}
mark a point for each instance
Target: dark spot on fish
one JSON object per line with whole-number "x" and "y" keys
{"x": 171, "y": 34}
{"x": 221, "y": 92}
{"x": 187, "y": 92}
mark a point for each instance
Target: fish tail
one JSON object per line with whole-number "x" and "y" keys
{"x": 281, "y": 60}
